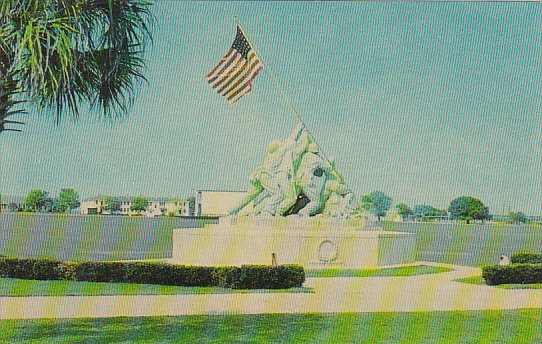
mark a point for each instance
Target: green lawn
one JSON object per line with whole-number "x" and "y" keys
{"x": 509, "y": 326}
{"x": 78, "y": 237}
{"x": 471, "y": 245}
{"x": 480, "y": 281}
{"x": 388, "y": 272}
{"x": 19, "y": 287}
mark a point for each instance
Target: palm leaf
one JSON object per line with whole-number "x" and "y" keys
{"x": 66, "y": 53}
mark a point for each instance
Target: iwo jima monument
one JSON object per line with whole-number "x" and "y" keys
{"x": 298, "y": 208}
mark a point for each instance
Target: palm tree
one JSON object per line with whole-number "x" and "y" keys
{"x": 61, "y": 55}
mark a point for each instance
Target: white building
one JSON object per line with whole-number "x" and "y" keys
{"x": 156, "y": 206}
{"x": 217, "y": 202}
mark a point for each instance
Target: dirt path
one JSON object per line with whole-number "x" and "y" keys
{"x": 375, "y": 294}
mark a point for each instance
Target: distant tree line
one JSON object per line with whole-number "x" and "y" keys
{"x": 420, "y": 212}
{"x": 113, "y": 205}
{"x": 517, "y": 217}
{"x": 40, "y": 201}
{"x": 464, "y": 208}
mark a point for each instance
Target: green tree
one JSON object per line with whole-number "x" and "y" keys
{"x": 377, "y": 203}
{"x": 139, "y": 204}
{"x": 68, "y": 199}
{"x": 63, "y": 54}
{"x": 36, "y": 200}
{"x": 112, "y": 204}
{"x": 468, "y": 208}
{"x": 52, "y": 205}
{"x": 404, "y": 211}
{"x": 517, "y": 217}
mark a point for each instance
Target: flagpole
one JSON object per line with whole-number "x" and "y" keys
{"x": 287, "y": 100}
{"x": 290, "y": 105}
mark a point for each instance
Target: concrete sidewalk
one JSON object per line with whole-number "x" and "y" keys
{"x": 351, "y": 294}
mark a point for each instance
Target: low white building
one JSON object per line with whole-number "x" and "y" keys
{"x": 156, "y": 206}
{"x": 217, "y": 202}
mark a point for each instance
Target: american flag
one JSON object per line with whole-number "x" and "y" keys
{"x": 233, "y": 75}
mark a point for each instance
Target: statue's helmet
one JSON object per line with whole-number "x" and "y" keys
{"x": 273, "y": 146}
{"x": 313, "y": 147}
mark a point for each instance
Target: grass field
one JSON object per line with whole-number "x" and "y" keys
{"x": 510, "y": 326}
{"x": 89, "y": 237}
{"x": 472, "y": 245}
{"x": 122, "y": 237}
{"x": 388, "y": 272}
{"x": 18, "y": 287}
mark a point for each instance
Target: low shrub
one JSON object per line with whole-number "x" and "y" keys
{"x": 244, "y": 277}
{"x": 225, "y": 276}
{"x": 266, "y": 277}
{"x": 113, "y": 272}
{"x": 29, "y": 268}
{"x": 68, "y": 270}
{"x": 526, "y": 258}
{"x": 169, "y": 274}
{"x": 512, "y": 274}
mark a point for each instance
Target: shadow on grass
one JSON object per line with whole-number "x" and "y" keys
{"x": 478, "y": 280}
{"x": 10, "y": 287}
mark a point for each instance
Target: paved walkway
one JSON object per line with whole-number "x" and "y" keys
{"x": 375, "y": 294}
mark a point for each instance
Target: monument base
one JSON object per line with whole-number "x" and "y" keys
{"x": 314, "y": 242}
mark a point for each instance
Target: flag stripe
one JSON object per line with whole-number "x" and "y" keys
{"x": 233, "y": 57}
{"x": 244, "y": 86}
{"x": 241, "y": 94}
{"x": 222, "y": 63}
{"x": 233, "y": 75}
{"x": 242, "y": 81}
{"x": 219, "y": 63}
{"x": 227, "y": 74}
{"x": 237, "y": 74}
{"x": 243, "y": 77}
{"x": 232, "y": 78}
{"x": 215, "y": 81}
{"x": 247, "y": 84}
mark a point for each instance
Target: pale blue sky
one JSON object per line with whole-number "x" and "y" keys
{"x": 426, "y": 102}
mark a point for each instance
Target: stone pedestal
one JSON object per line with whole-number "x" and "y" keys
{"x": 312, "y": 242}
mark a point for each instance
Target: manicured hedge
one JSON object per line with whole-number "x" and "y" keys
{"x": 244, "y": 277}
{"x": 526, "y": 258}
{"x": 261, "y": 277}
{"x": 512, "y": 274}
{"x": 35, "y": 269}
{"x": 145, "y": 273}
